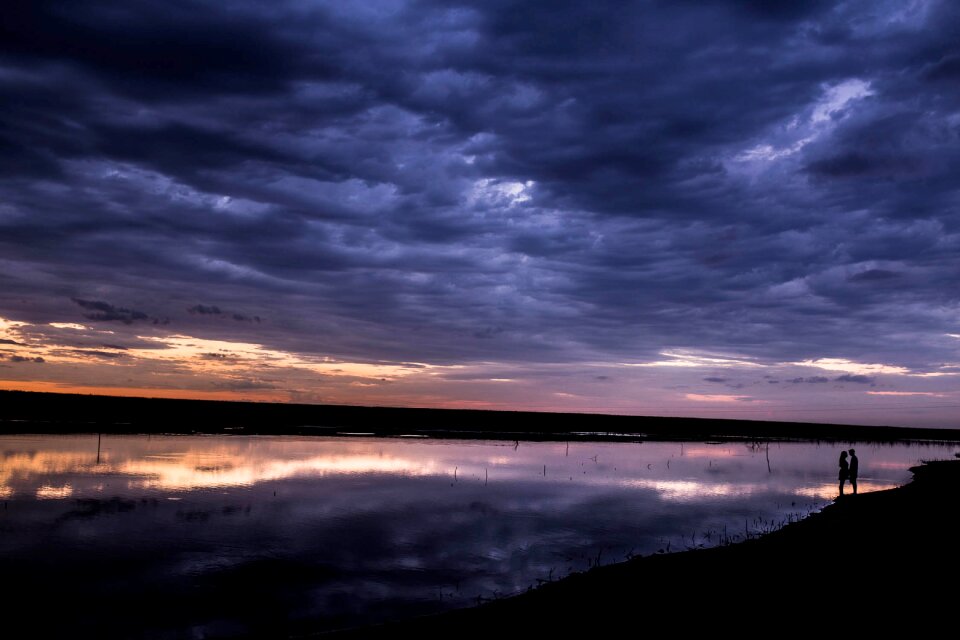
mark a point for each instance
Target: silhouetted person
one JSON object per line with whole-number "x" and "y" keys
{"x": 844, "y": 470}
{"x": 854, "y": 468}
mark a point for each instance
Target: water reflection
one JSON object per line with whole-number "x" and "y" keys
{"x": 233, "y": 533}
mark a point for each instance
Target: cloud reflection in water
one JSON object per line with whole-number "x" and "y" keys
{"x": 348, "y": 530}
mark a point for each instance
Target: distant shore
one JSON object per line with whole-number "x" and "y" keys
{"x": 876, "y": 562}
{"x": 35, "y": 412}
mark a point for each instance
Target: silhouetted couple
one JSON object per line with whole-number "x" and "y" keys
{"x": 849, "y": 471}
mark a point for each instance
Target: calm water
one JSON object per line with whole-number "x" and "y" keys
{"x": 202, "y": 536}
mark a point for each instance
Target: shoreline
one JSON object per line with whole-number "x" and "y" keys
{"x": 889, "y": 556}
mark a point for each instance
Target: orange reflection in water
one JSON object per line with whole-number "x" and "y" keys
{"x": 830, "y": 491}
{"x": 32, "y": 464}
{"x": 47, "y": 492}
{"x": 199, "y": 470}
{"x": 27, "y": 466}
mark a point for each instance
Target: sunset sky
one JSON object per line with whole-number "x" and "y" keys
{"x": 738, "y": 209}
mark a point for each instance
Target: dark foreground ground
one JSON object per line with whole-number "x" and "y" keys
{"x": 877, "y": 563}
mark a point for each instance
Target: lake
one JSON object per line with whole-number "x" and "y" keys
{"x": 213, "y": 536}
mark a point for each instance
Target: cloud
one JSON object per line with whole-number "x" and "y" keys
{"x": 16, "y": 358}
{"x": 703, "y": 186}
{"x": 857, "y": 379}
{"x": 487, "y": 332}
{"x": 213, "y": 310}
{"x": 810, "y": 380}
{"x": 205, "y": 310}
{"x": 245, "y": 385}
{"x": 93, "y": 353}
{"x": 105, "y": 312}
{"x": 717, "y": 397}
{"x": 928, "y": 394}
{"x": 854, "y": 368}
{"x": 874, "y": 275}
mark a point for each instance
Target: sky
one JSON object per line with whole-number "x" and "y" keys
{"x": 736, "y": 209}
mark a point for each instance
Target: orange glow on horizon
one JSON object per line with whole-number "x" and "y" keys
{"x": 280, "y": 396}
{"x": 267, "y": 395}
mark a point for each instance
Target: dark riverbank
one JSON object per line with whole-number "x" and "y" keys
{"x": 33, "y": 412}
{"x": 877, "y": 562}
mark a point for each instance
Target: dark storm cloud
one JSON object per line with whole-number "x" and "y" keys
{"x": 725, "y": 382}
{"x": 488, "y": 181}
{"x": 213, "y": 310}
{"x": 6, "y": 341}
{"x": 154, "y": 48}
{"x": 874, "y": 275}
{"x": 204, "y": 310}
{"x": 103, "y": 355}
{"x": 487, "y": 332}
{"x": 16, "y": 358}
{"x": 857, "y": 379}
{"x": 105, "y": 312}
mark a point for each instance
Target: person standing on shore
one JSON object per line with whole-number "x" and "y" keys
{"x": 844, "y": 470}
{"x": 854, "y": 469}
